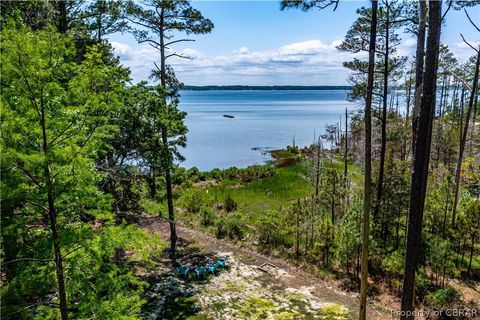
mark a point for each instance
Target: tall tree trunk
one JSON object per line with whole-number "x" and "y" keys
{"x": 168, "y": 178}
{"x": 317, "y": 167}
{"x": 474, "y": 120}
{"x": 101, "y": 10}
{"x": 421, "y": 158}
{"x": 334, "y": 185}
{"x": 472, "y": 249}
{"x": 408, "y": 94}
{"x": 152, "y": 183}
{"x": 447, "y": 95}
{"x": 368, "y": 163}
{"x": 345, "y": 157}
{"x": 62, "y": 23}
{"x": 442, "y": 95}
{"x": 52, "y": 213}
{"x": 455, "y": 94}
{"x": 419, "y": 62}
{"x": 464, "y": 139}
{"x": 445, "y": 214}
{"x": 383, "y": 148}
{"x": 52, "y": 218}
{"x": 297, "y": 237}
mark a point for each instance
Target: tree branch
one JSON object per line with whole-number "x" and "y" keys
{"x": 178, "y": 55}
{"x": 448, "y": 9}
{"x": 180, "y": 40}
{"x": 29, "y": 175}
{"x": 29, "y": 259}
{"x": 469, "y": 19}
{"x": 476, "y": 50}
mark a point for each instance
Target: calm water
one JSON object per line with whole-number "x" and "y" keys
{"x": 263, "y": 120}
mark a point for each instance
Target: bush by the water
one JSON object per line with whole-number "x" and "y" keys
{"x": 184, "y": 176}
{"x": 248, "y": 174}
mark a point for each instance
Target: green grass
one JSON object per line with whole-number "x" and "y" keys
{"x": 255, "y": 197}
{"x": 283, "y": 154}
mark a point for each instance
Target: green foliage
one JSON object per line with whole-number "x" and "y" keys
{"x": 443, "y": 297}
{"x": 231, "y": 226}
{"x": 394, "y": 263}
{"x": 348, "y": 237}
{"x": 268, "y": 228}
{"x": 422, "y": 282}
{"x": 101, "y": 281}
{"x": 207, "y": 216}
{"x": 193, "y": 201}
{"x": 251, "y": 173}
{"x": 220, "y": 228}
{"x": 55, "y": 119}
{"x": 153, "y": 207}
{"x": 440, "y": 256}
{"x": 235, "y": 226}
{"x": 229, "y": 204}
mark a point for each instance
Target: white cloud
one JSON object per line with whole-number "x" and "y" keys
{"x": 462, "y": 51}
{"x": 121, "y": 48}
{"x": 304, "y": 48}
{"x": 309, "y": 62}
{"x": 410, "y": 43}
{"x": 244, "y": 50}
{"x": 463, "y": 45}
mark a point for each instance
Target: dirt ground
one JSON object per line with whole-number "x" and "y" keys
{"x": 242, "y": 290}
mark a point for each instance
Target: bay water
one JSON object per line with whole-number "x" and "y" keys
{"x": 262, "y": 120}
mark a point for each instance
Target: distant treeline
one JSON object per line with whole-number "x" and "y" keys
{"x": 240, "y": 87}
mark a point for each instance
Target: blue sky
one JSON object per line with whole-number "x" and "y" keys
{"x": 255, "y": 43}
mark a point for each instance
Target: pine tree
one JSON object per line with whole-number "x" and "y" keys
{"x": 157, "y": 22}
{"x": 421, "y": 158}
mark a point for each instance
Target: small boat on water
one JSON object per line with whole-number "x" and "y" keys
{"x": 228, "y": 116}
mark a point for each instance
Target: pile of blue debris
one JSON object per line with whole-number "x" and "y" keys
{"x": 199, "y": 266}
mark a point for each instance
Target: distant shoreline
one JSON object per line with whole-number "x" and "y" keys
{"x": 266, "y": 88}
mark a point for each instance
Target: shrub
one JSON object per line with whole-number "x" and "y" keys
{"x": 393, "y": 263}
{"x": 152, "y": 207}
{"x": 248, "y": 174}
{"x": 195, "y": 175}
{"x": 221, "y": 228}
{"x": 229, "y": 204}
{"x": 422, "y": 282}
{"x": 207, "y": 216}
{"x": 193, "y": 201}
{"x": 235, "y": 227}
{"x": 216, "y": 174}
{"x": 293, "y": 149}
{"x": 268, "y": 227}
{"x": 179, "y": 175}
{"x": 443, "y": 297}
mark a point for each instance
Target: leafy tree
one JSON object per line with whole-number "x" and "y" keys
{"x": 34, "y": 14}
{"x": 103, "y": 17}
{"x": 54, "y": 120}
